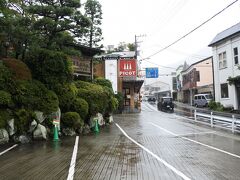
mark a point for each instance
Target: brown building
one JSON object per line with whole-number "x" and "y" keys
{"x": 196, "y": 79}
{"x": 111, "y": 66}
{"x": 83, "y": 65}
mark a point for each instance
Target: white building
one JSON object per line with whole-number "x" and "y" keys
{"x": 225, "y": 47}
{"x": 163, "y": 86}
{"x": 111, "y": 66}
{"x": 179, "y": 83}
{"x": 111, "y": 70}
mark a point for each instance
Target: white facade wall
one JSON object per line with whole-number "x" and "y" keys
{"x": 179, "y": 75}
{"x": 111, "y": 70}
{"x": 221, "y": 75}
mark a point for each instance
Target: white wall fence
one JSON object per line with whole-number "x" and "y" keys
{"x": 215, "y": 119}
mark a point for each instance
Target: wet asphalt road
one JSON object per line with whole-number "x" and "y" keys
{"x": 149, "y": 145}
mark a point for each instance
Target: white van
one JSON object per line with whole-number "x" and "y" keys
{"x": 202, "y": 100}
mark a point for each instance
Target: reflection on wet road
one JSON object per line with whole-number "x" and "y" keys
{"x": 149, "y": 145}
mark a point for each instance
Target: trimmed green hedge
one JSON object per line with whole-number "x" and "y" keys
{"x": 95, "y": 95}
{"x": 5, "y": 115}
{"x": 103, "y": 82}
{"x": 100, "y": 98}
{"x": 67, "y": 94}
{"x": 6, "y": 79}
{"x": 49, "y": 67}
{"x": 113, "y": 106}
{"x": 23, "y": 119}
{"x": 5, "y": 99}
{"x": 18, "y": 68}
{"x": 33, "y": 95}
{"x": 81, "y": 107}
{"x": 72, "y": 120}
{"x": 119, "y": 97}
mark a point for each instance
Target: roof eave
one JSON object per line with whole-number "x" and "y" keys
{"x": 220, "y": 40}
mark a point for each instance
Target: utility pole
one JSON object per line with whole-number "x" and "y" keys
{"x": 136, "y": 43}
{"x": 135, "y": 46}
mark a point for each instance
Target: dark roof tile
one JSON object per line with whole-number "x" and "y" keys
{"x": 225, "y": 34}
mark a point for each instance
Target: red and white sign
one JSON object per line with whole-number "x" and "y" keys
{"x": 127, "y": 67}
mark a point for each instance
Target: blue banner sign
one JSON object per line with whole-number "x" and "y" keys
{"x": 152, "y": 72}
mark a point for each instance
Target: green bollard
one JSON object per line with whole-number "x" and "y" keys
{"x": 96, "y": 129}
{"x": 55, "y": 133}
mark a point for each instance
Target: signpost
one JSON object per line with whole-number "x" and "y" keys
{"x": 127, "y": 68}
{"x": 152, "y": 72}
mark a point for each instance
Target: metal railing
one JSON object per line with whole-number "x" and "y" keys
{"x": 220, "y": 120}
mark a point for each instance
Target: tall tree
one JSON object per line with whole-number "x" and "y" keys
{"x": 40, "y": 31}
{"x": 54, "y": 19}
{"x": 56, "y": 24}
{"x": 131, "y": 46}
{"x": 122, "y": 46}
{"x": 93, "y": 34}
{"x": 15, "y": 29}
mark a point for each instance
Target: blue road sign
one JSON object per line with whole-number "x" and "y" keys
{"x": 152, "y": 72}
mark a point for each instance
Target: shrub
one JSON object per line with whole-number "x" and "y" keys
{"x": 23, "y": 118}
{"x": 112, "y": 105}
{"x": 212, "y": 104}
{"x": 72, "y": 120}
{"x": 100, "y": 98}
{"x": 5, "y": 115}
{"x": 49, "y": 67}
{"x": 95, "y": 95}
{"x": 66, "y": 94}
{"x": 108, "y": 91}
{"x": 81, "y": 107}
{"x": 103, "y": 82}
{"x": 18, "y": 68}
{"x": 120, "y": 98}
{"x": 82, "y": 84}
{"x": 216, "y": 106}
{"x": 3, "y": 122}
{"x": 5, "y": 99}
{"x": 49, "y": 103}
{"x": 228, "y": 109}
{"x": 34, "y": 95}
{"x": 6, "y": 79}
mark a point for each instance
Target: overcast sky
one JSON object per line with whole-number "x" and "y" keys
{"x": 163, "y": 22}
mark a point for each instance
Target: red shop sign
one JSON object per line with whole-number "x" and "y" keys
{"x": 127, "y": 67}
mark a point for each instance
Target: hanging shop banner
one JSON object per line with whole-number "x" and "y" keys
{"x": 127, "y": 67}
{"x": 152, "y": 72}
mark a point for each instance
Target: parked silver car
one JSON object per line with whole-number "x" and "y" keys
{"x": 201, "y": 100}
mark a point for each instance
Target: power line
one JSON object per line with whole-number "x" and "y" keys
{"x": 158, "y": 64}
{"x": 168, "y": 13}
{"x": 197, "y": 56}
{"x": 192, "y": 30}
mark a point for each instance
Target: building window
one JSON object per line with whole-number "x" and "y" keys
{"x": 126, "y": 92}
{"x": 197, "y": 76}
{"x": 224, "y": 90}
{"x": 235, "y": 54}
{"x": 127, "y": 102}
{"x": 222, "y": 57}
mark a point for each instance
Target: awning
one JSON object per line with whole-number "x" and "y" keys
{"x": 137, "y": 84}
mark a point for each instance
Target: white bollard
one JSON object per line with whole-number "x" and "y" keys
{"x": 195, "y": 115}
{"x": 233, "y": 123}
{"x": 211, "y": 119}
